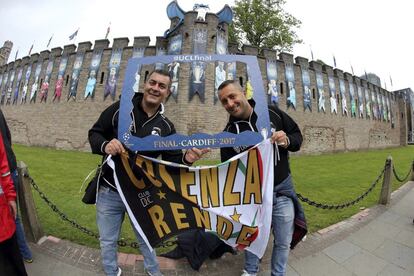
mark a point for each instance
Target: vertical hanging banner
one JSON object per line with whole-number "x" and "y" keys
{"x": 272, "y": 91}
{"x": 343, "y": 97}
{"x": 379, "y": 105}
{"x": 114, "y": 64}
{"x": 321, "y": 92}
{"x": 360, "y": 101}
{"x": 389, "y": 109}
{"x": 16, "y": 89}
{"x": 353, "y": 99}
{"x": 35, "y": 85}
{"x": 291, "y": 90}
{"x": 368, "y": 103}
{"x": 307, "y": 99}
{"x": 93, "y": 71}
{"x": 26, "y": 84}
{"x": 160, "y": 52}
{"x": 4, "y": 90}
{"x": 174, "y": 48}
{"x": 77, "y": 66}
{"x": 220, "y": 71}
{"x": 374, "y": 105}
{"x": 197, "y": 71}
{"x": 231, "y": 70}
{"x": 61, "y": 74}
{"x": 137, "y": 53}
{"x": 384, "y": 108}
{"x": 44, "y": 89}
{"x": 10, "y": 88}
{"x": 332, "y": 95}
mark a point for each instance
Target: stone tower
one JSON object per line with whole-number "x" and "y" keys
{"x": 5, "y": 52}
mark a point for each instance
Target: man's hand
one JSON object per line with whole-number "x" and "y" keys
{"x": 194, "y": 154}
{"x": 280, "y": 138}
{"x": 114, "y": 147}
{"x": 13, "y": 208}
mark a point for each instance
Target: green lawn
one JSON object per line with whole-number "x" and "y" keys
{"x": 329, "y": 178}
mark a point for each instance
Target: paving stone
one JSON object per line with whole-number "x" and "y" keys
{"x": 392, "y": 270}
{"x": 318, "y": 264}
{"x": 365, "y": 264}
{"x": 366, "y": 239}
{"x": 341, "y": 251}
{"x": 396, "y": 253}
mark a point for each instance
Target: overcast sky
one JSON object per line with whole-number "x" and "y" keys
{"x": 371, "y": 35}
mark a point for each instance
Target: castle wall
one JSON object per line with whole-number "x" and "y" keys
{"x": 64, "y": 124}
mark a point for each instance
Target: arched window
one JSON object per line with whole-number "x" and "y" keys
{"x": 67, "y": 80}
{"x": 313, "y": 93}
{"x": 241, "y": 81}
{"x": 281, "y": 88}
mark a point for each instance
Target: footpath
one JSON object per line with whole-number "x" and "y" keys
{"x": 376, "y": 241}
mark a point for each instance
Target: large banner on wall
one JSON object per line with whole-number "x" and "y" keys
{"x": 44, "y": 88}
{"x": 174, "y": 48}
{"x": 291, "y": 90}
{"x": 26, "y": 84}
{"x": 343, "y": 97}
{"x": 389, "y": 108}
{"x": 353, "y": 99}
{"x": 198, "y": 68}
{"x": 77, "y": 66}
{"x": 233, "y": 199}
{"x": 220, "y": 70}
{"x": 114, "y": 64}
{"x": 307, "y": 98}
{"x": 35, "y": 85}
{"x": 137, "y": 53}
{"x": 332, "y": 95}
{"x": 61, "y": 74}
{"x": 10, "y": 88}
{"x": 379, "y": 104}
{"x": 321, "y": 92}
{"x": 368, "y": 103}
{"x": 3, "y": 91}
{"x": 93, "y": 72}
{"x": 384, "y": 108}
{"x": 360, "y": 101}
{"x": 272, "y": 88}
{"x": 16, "y": 89}
{"x": 160, "y": 51}
{"x": 374, "y": 104}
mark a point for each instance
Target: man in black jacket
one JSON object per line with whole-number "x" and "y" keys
{"x": 288, "y": 221}
{"x": 147, "y": 119}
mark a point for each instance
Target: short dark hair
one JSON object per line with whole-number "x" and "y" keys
{"x": 161, "y": 72}
{"x": 225, "y": 83}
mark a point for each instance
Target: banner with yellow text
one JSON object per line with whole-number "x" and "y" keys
{"x": 232, "y": 199}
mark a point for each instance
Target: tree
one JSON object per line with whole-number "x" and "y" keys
{"x": 264, "y": 23}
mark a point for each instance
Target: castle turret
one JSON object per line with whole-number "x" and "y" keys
{"x": 5, "y": 52}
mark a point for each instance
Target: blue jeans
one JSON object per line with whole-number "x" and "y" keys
{"x": 110, "y": 213}
{"x": 21, "y": 240}
{"x": 283, "y": 215}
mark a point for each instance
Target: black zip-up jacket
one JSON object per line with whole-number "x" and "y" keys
{"x": 279, "y": 120}
{"x": 106, "y": 128}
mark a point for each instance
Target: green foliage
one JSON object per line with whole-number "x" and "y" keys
{"x": 328, "y": 178}
{"x": 264, "y": 23}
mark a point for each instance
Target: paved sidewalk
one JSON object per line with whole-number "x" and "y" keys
{"x": 376, "y": 241}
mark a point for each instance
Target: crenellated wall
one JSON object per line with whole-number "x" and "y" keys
{"x": 64, "y": 124}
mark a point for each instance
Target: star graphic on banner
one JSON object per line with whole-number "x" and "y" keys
{"x": 235, "y": 216}
{"x": 161, "y": 195}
